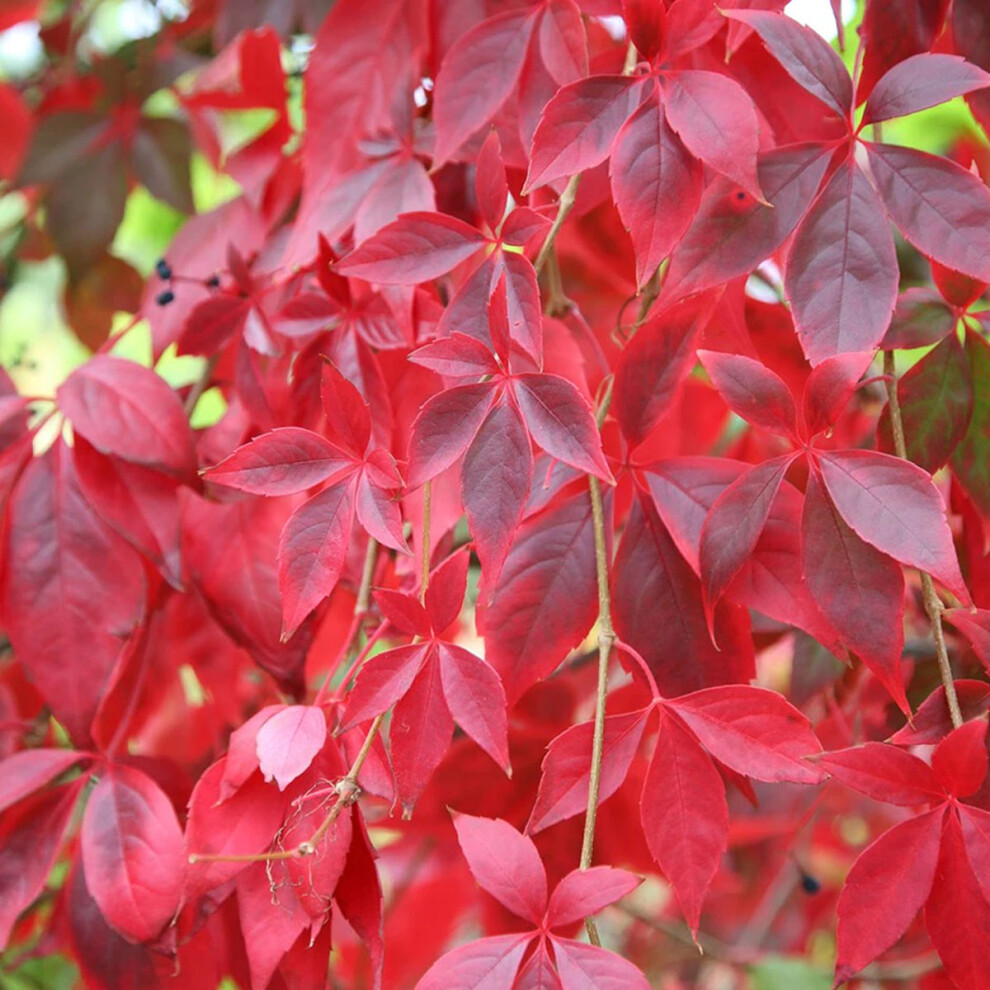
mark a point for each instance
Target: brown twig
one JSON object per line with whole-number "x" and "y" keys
{"x": 933, "y": 604}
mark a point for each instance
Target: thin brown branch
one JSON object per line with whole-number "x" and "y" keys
{"x": 933, "y": 604}
{"x": 564, "y": 206}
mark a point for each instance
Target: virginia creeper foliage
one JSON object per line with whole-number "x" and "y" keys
{"x": 569, "y": 547}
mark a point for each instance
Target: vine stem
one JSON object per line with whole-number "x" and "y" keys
{"x": 606, "y": 638}
{"x": 564, "y": 206}
{"x": 933, "y": 604}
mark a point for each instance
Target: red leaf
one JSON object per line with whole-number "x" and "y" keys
{"x": 886, "y": 887}
{"x": 957, "y": 914}
{"x": 975, "y": 627}
{"x": 545, "y": 599}
{"x": 561, "y": 422}
{"x": 415, "y": 248}
{"x": 563, "y": 44}
{"x": 884, "y": 773}
{"x": 960, "y": 759}
{"x": 23, "y": 773}
{"x": 583, "y": 893}
{"x": 383, "y": 680}
{"x": 932, "y": 721}
{"x": 646, "y": 23}
{"x": 752, "y": 391}
{"x": 859, "y": 590}
{"x": 132, "y": 853}
{"x": 921, "y": 318}
{"x": 288, "y": 742}
{"x": 311, "y": 552}
{"x": 716, "y": 119}
{"x": 942, "y": 209}
{"x": 975, "y": 824}
{"x": 731, "y": 233}
{"x": 733, "y": 526}
{"x": 127, "y": 410}
{"x": 282, "y": 461}
{"x": 894, "y": 506}
{"x": 829, "y": 388}
{"x": 30, "y": 838}
{"x": 540, "y": 971}
{"x": 456, "y": 356}
{"x": 242, "y": 751}
{"x": 404, "y": 612}
{"x": 753, "y": 731}
{"x": 445, "y": 592}
{"x": 477, "y": 75}
{"x": 348, "y": 415}
{"x": 476, "y": 699}
{"x": 684, "y": 816}
{"x": 922, "y": 81}
{"x": 445, "y": 428}
{"x": 583, "y": 965}
{"x": 489, "y": 182}
{"x": 806, "y": 57}
{"x": 656, "y": 185}
{"x": 566, "y": 775}
{"x": 379, "y": 513}
{"x": 579, "y": 126}
{"x": 523, "y": 307}
{"x": 841, "y": 269}
{"x": 242, "y": 825}
{"x": 492, "y": 961}
{"x": 495, "y": 481}
{"x": 505, "y": 863}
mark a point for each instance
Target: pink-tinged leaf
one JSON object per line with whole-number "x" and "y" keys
{"x": 957, "y": 914}
{"x": 583, "y": 893}
{"x": 485, "y": 964}
{"x": 283, "y": 461}
{"x": 415, "y": 248}
{"x": 524, "y": 309}
{"x": 752, "y": 391}
{"x": 379, "y": 514}
{"x": 213, "y": 323}
{"x": 588, "y": 967}
{"x": 405, "y": 187}
{"x": 716, "y": 119}
{"x": 886, "y": 887}
{"x": 540, "y": 972}
{"x": 489, "y": 182}
{"x": 545, "y": 599}
{"x": 404, "y": 612}
{"x": 894, "y": 506}
{"x": 652, "y": 578}
{"x": 560, "y": 420}
{"x": 685, "y": 817}
{"x": 841, "y": 270}
{"x": 132, "y": 853}
{"x": 806, "y": 57}
{"x": 940, "y": 207}
{"x": 288, "y": 742}
{"x": 732, "y": 233}
{"x": 652, "y": 368}
{"x": 884, "y": 773}
{"x": 960, "y": 759}
{"x": 975, "y": 824}
{"x": 477, "y": 75}
{"x": 242, "y": 751}
{"x": 504, "y": 863}
{"x": 23, "y": 773}
{"x": 936, "y": 400}
{"x": 445, "y": 593}
{"x": 563, "y": 42}
{"x": 734, "y": 525}
{"x": 476, "y": 699}
{"x": 242, "y": 825}
{"x": 859, "y": 590}
{"x": 922, "y": 81}
{"x": 566, "y": 776}
{"x": 55, "y": 599}
{"x": 312, "y": 550}
{"x": 656, "y": 185}
{"x": 420, "y": 734}
{"x": 921, "y": 318}
{"x": 932, "y": 721}
{"x": 495, "y": 480}
{"x": 829, "y": 388}
{"x": 30, "y": 838}
{"x": 456, "y": 356}
{"x": 127, "y": 410}
{"x": 579, "y": 126}
{"x": 444, "y": 428}
{"x": 523, "y": 224}
{"x": 752, "y": 730}
{"x": 975, "y": 628}
{"x": 348, "y": 415}
{"x": 383, "y": 680}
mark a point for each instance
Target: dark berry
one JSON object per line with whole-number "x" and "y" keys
{"x": 809, "y": 884}
{"x": 164, "y": 298}
{"x": 213, "y": 282}
{"x": 163, "y": 269}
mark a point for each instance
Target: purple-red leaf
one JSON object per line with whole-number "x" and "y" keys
{"x": 752, "y": 390}
{"x": 287, "y": 743}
